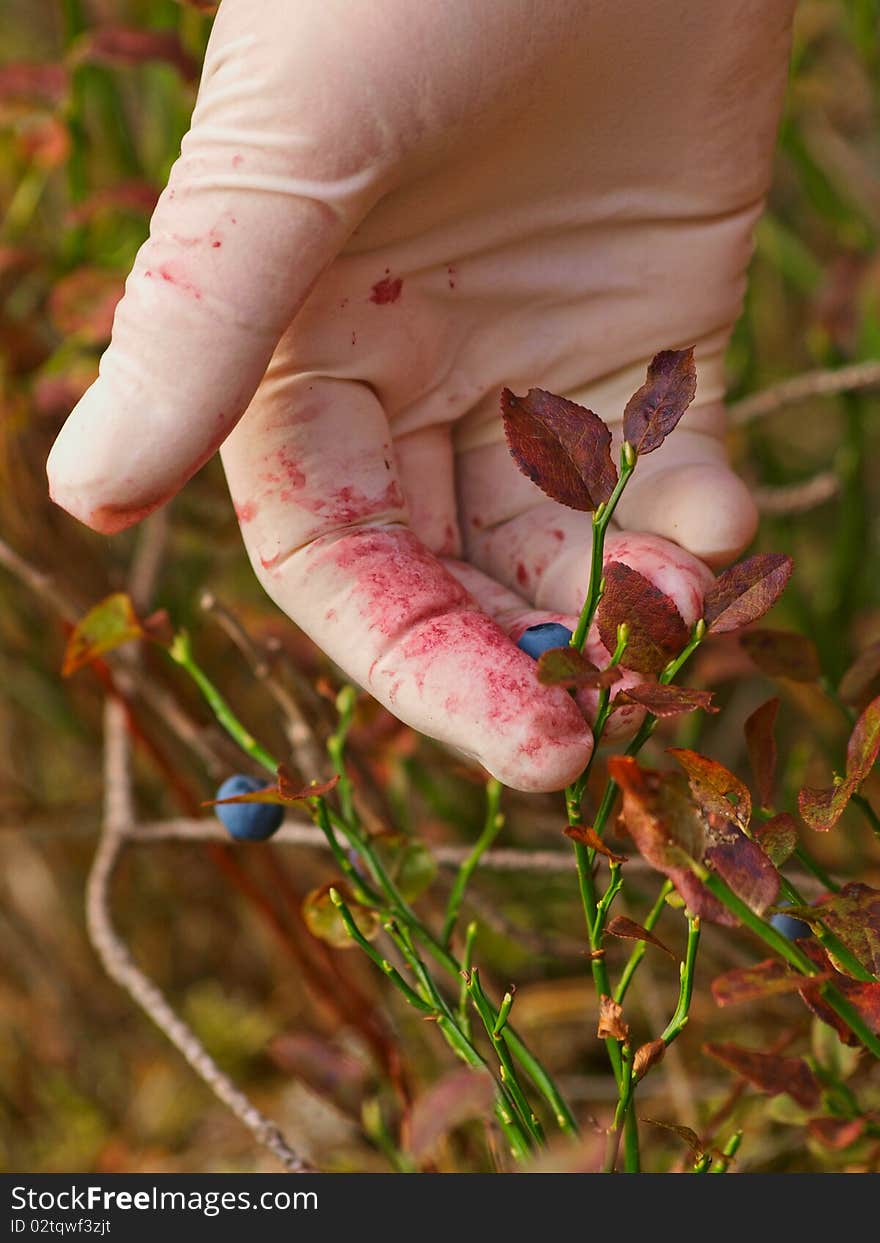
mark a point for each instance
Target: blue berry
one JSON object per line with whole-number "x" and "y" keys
{"x": 248, "y": 822}
{"x": 792, "y": 929}
{"x": 541, "y": 638}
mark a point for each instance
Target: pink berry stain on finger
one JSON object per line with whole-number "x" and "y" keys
{"x": 247, "y": 512}
{"x": 172, "y": 273}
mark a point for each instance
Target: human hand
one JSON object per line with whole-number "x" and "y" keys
{"x": 382, "y": 214}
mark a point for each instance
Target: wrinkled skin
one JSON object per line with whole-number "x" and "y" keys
{"x": 383, "y": 213}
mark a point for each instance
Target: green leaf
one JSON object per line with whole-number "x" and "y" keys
{"x": 107, "y": 626}
{"x": 323, "y": 920}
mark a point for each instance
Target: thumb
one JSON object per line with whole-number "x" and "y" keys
{"x": 271, "y": 179}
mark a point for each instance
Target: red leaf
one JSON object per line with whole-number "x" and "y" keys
{"x": 668, "y": 830}
{"x": 562, "y": 447}
{"x": 714, "y": 787}
{"x": 822, "y": 809}
{"x": 629, "y": 930}
{"x": 138, "y": 197}
{"x": 611, "y": 1021}
{"x": 461, "y": 1095}
{"x": 761, "y": 746}
{"x": 664, "y": 701}
{"x": 742, "y": 864}
{"x": 853, "y": 915}
{"x": 783, "y": 654}
{"x": 653, "y": 411}
{"x": 588, "y": 836}
{"x": 745, "y": 592}
{"x": 863, "y": 995}
{"x": 29, "y": 82}
{"x": 657, "y": 632}
{"x": 83, "y": 303}
{"x": 778, "y": 838}
{"x": 765, "y": 979}
{"x": 566, "y": 666}
{"x": 770, "y": 1072}
{"x": 837, "y": 1133}
{"x": 130, "y": 45}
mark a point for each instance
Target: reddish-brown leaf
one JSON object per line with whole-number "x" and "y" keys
{"x": 647, "y": 1056}
{"x": 83, "y": 303}
{"x": 664, "y": 701}
{"x": 562, "y": 447}
{"x": 629, "y": 930}
{"x": 657, "y": 631}
{"x": 783, "y": 654}
{"x": 131, "y": 45}
{"x": 741, "y": 863}
{"x": 853, "y": 915}
{"x": 745, "y": 592}
{"x": 770, "y": 1072}
{"x": 587, "y": 836}
{"x": 864, "y": 743}
{"x": 655, "y": 409}
{"x": 684, "y": 1133}
{"x": 837, "y": 1133}
{"x": 761, "y": 746}
{"x": 105, "y": 627}
{"x": 778, "y": 838}
{"x": 611, "y": 1021}
{"x": 566, "y": 666}
{"x": 861, "y": 682}
{"x": 330, "y": 1071}
{"x": 863, "y": 995}
{"x": 821, "y": 809}
{"x": 668, "y": 829}
{"x": 764, "y": 979}
{"x": 284, "y": 792}
{"x": 461, "y": 1095}
{"x": 714, "y": 787}
{"x": 137, "y": 197}
{"x": 30, "y": 82}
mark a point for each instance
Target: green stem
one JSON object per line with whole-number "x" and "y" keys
{"x": 728, "y": 1152}
{"x": 180, "y": 651}
{"x": 601, "y": 519}
{"x": 508, "y": 1070}
{"x": 679, "y": 1020}
{"x": 383, "y": 964}
{"x": 491, "y": 827}
{"x": 638, "y": 952}
{"x": 345, "y": 705}
{"x": 467, "y": 960}
{"x": 622, "y": 1110}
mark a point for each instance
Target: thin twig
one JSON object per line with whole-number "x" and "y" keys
{"x": 121, "y": 967}
{"x": 309, "y": 756}
{"x": 797, "y": 498}
{"x": 824, "y": 383}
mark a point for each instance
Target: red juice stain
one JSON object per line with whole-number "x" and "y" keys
{"x": 237, "y": 161}
{"x": 557, "y": 535}
{"x": 386, "y": 290}
{"x": 522, "y": 574}
{"x": 246, "y": 512}
{"x": 171, "y": 274}
{"x": 451, "y": 273}
{"x": 354, "y": 337}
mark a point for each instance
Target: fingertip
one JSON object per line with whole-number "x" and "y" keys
{"x": 701, "y": 506}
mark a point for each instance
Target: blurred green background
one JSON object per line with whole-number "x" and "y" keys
{"x": 94, "y": 99}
